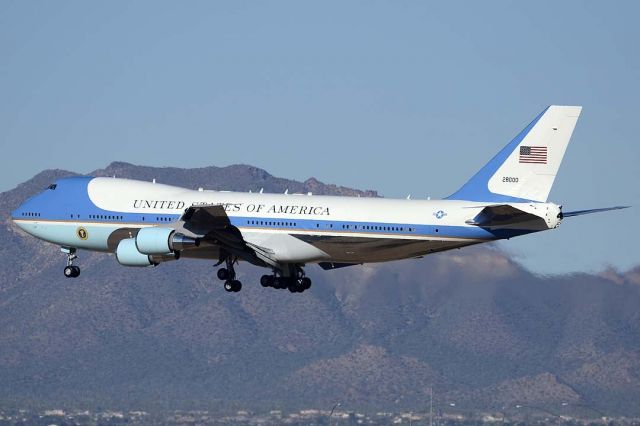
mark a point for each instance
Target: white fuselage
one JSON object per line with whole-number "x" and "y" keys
{"x": 297, "y": 228}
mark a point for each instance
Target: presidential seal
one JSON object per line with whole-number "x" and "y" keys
{"x": 82, "y": 233}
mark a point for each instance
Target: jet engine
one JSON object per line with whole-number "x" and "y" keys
{"x": 128, "y": 255}
{"x": 160, "y": 241}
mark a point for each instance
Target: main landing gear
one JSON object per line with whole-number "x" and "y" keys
{"x": 291, "y": 277}
{"x": 70, "y": 271}
{"x": 228, "y": 275}
{"x": 296, "y": 282}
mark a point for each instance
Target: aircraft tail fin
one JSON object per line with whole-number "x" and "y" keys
{"x": 525, "y": 169}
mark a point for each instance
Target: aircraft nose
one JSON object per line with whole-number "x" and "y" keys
{"x": 24, "y": 212}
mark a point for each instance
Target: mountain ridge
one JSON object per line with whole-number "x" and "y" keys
{"x": 473, "y": 324}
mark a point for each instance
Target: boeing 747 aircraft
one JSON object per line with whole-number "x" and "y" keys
{"x": 147, "y": 223}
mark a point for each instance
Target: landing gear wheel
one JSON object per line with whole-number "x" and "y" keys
{"x": 223, "y": 274}
{"x": 279, "y": 282}
{"x": 294, "y": 288}
{"x": 71, "y": 271}
{"x": 232, "y": 286}
{"x": 294, "y": 285}
{"x": 266, "y": 281}
{"x": 305, "y": 283}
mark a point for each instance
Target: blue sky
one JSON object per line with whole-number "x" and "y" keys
{"x": 402, "y": 97}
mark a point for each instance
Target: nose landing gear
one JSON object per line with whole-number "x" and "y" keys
{"x": 70, "y": 271}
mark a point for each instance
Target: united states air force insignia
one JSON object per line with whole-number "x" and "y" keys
{"x": 440, "y": 214}
{"x": 82, "y": 233}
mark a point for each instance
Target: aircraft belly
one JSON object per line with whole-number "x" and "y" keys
{"x": 365, "y": 250}
{"x": 208, "y": 252}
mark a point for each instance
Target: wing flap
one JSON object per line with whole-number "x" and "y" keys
{"x": 333, "y": 265}
{"x": 211, "y": 222}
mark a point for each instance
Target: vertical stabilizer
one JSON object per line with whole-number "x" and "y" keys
{"x": 525, "y": 169}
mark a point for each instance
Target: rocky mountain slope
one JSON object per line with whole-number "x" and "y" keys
{"x": 472, "y": 324}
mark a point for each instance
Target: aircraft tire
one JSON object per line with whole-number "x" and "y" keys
{"x": 305, "y": 283}
{"x": 266, "y": 281}
{"x": 279, "y": 283}
{"x": 71, "y": 271}
{"x": 223, "y": 274}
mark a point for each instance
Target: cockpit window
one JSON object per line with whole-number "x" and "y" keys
{"x": 52, "y": 186}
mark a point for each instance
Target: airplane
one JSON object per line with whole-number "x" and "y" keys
{"x": 148, "y": 223}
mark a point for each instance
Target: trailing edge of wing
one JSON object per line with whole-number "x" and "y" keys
{"x": 333, "y": 265}
{"x": 212, "y": 223}
{"x": 581, "y": 212}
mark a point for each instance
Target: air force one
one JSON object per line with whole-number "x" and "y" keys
{"x": 147, "y": 223}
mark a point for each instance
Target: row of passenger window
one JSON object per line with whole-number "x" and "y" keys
{"x": 98, "y": 216}
{"x": 269, "y": 223}
{"x": 116, "y": 217}
{"x": 330, "y": 225}
{"x": 378, "y": 228}
{"x": 249, "y": 222}
{"x": 104, "y": 217}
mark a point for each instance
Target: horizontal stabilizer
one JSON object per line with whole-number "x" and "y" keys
{"x": 581, "y": 212}
{"x": 501, "y": 215}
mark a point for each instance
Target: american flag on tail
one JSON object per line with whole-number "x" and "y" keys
{"x": 533, "y": 154}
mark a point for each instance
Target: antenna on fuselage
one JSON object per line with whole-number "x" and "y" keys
{"x": 409, "y": 197}
{"x": 261, "y": 190}
{"x": 286, "y": 192}
{"x": 154, "y": 180}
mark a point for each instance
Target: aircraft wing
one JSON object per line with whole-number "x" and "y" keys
{"x": 333, "y": 265}
{"x": 211, "y": 223}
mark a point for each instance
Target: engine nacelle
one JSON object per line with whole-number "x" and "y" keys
{"x": 160, "y": 241}
{"x": 128, "y": 255}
